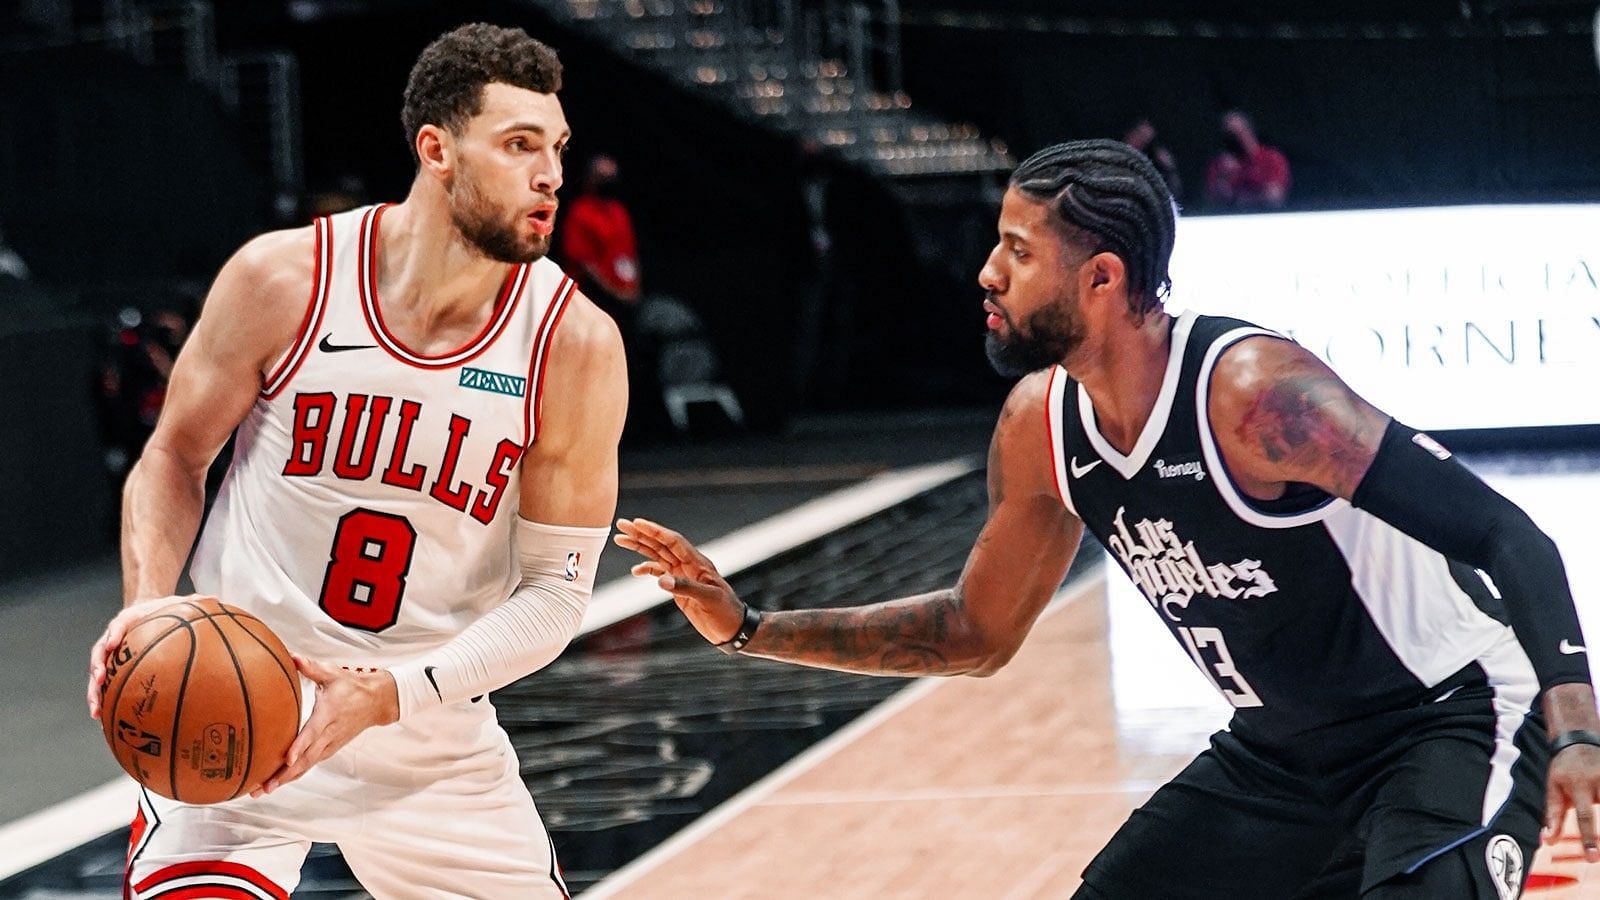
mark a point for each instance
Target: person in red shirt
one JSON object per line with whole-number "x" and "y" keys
{"x": 1247, "y": 174}
{"x": 598, "y": 242}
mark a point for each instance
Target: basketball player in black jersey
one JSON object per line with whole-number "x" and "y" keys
{"x": 1399, "y": 641}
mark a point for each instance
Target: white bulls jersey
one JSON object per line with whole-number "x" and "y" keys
{"x": 367, "y": 515}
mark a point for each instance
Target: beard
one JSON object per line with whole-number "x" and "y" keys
{"x": 1047, "y": 337}
{"x": 485, "y": 226}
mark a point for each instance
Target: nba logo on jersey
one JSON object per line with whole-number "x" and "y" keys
{"x": 1430, "y": 445}
{"x": 572, "y": 565}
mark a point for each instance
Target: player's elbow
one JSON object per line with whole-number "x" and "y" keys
{"x": 993, "y": 658}
{"x": 165, "y": 461}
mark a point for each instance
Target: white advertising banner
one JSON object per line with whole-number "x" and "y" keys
{"x": 1445, "y": 318}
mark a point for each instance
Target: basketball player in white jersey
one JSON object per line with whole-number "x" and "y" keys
{"x": 425, "y": 468}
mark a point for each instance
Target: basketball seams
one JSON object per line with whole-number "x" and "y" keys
{"x": 294, "y": 681}
{"x": 244, "y": 694}
{"x": 177, "y": 713}
{"x": 133, "y": 664}
{"x": 185, "y": 614}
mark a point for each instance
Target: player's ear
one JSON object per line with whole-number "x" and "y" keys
{"x": 435, "y": 150}
{"x": 1105, "y": 271}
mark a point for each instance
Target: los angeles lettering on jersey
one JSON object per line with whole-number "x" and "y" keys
{"x": 1170, "y": 572}
{"x": 367, "y": 419}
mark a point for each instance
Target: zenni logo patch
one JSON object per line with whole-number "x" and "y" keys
{"x": 493, "y": 382}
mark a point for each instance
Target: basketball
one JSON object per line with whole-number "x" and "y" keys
{"x": 200, "y": 702}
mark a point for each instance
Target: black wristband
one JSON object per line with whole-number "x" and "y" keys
{"x": 747, "y": 630}
{"x": 1577, "y": 736}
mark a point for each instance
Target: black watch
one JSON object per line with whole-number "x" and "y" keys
{"x": 747, "y": 630}
{"x": 1577, "y": 736}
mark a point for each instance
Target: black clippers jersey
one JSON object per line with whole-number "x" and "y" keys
{"x": 1303, "y": 612}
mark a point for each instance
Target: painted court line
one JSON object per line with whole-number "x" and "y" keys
{"x": 48, "y": 833}
{"x": 809, "y": 759}
{"x": 936, "y": 795}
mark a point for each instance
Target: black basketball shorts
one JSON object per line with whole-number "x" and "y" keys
{"x": 1455, "y": 797}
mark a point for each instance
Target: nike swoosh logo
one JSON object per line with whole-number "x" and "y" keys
{"x": 1571, "y": 649}
{"x": 1080, "y": 472}
{"x": 1447, "y": 694}
{"x": 428, "y": 671}
{"x": 327, "y": 347}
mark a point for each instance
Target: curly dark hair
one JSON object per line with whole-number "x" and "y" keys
{"x": 446, "y": 84}
{"x": 1108, "y": 197}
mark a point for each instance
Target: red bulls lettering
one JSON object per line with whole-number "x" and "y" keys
{"x": 356, "y": 434}
{"x": 357, "y": 469}
{"x": 312, "y": 415}
{"x": 455, "y": 497}
{"x": 396, "y": 475}
{"x": 505, "y": 462}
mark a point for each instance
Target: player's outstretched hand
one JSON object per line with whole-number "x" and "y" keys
{"x": 347, "y": 704}
{"x": 111, "y": 639}
{"x": 685, "y": 573}
{"x": 1574, "y": 784}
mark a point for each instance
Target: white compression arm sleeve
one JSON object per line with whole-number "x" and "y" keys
{"x": 520, "y": 636}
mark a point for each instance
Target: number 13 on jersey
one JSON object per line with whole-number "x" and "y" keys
{"x": 1220, "y": 670}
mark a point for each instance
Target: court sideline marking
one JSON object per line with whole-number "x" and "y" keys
{"x": 50, "y": 832}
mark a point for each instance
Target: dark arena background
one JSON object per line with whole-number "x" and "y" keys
{"x": 813, "y": 186}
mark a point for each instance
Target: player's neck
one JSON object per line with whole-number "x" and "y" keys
{"x": 424, "y": 267}
{"x": 1122, "y": 370}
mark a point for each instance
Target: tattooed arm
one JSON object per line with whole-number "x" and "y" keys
{"x": 1281, "y": 416}
{"x": 974, "y": 628}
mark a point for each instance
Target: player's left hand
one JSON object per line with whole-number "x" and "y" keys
{"x": 347, "y": 704}
{"x": 1574, "y": 784}
{"x": 681, "y": 570}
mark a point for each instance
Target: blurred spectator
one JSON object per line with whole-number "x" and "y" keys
{"x": 11, "y": 265}
{"x": 133, "y": 380}
{"x": 1247, "y": 174}
{"x": 1142, "y": 137}
{"x": 597, "y": 246}
{"x": 598, "y": 243}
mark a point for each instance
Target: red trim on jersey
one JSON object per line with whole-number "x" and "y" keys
{"x": 211, "y": 867}
{"x": 555, "y": 869}
{"x": 206, "y": 892}
{"x": 1050, "y": 434}
{"x": 505, "y": 306}
{"x": 135, "y": 833}
{"x": 538, "y": 400}
{"x": 532, "y": 398}
{"x": 316, "y": 308}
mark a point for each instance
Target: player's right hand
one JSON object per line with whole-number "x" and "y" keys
{"x": 684, "y": 572}
{"x": 111, "y": 639}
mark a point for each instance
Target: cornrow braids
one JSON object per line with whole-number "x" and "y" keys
{"x": 1108, "y": 197}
